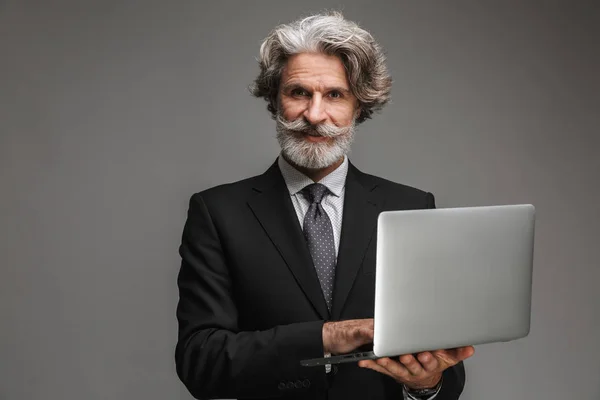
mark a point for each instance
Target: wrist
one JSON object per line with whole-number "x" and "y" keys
{"x": 326, "y": 333}
{"x": 432, "y": 383}
{"x": 425, "y": 390}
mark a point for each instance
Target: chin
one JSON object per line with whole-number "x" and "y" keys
{"x": 303, "y": 152}
{"x": 315, "y": 158}
{"x": 318, "y": 139}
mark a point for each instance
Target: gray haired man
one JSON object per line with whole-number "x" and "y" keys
{"x": 280, "y": 267}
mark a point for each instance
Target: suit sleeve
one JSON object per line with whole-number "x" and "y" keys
{"x": 214, "y": 359}
{"x": 454, "y": 377}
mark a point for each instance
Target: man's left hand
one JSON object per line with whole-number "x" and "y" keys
{"x": 421, "y": 372}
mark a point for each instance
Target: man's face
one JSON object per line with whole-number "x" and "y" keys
{"x": 316, "y": 110}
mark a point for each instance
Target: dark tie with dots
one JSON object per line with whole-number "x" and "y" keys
{"x": 319, "y": 235}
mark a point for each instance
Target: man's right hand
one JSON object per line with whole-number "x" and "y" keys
{"x": 344, "y": 336}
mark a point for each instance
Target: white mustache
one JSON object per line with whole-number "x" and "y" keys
{"x": 300, "y": 125}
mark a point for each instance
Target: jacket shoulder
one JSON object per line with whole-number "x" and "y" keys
{"x": 395, "y": 193}
{"x": 395, "y": 186}
{"x": 227, "y": 192}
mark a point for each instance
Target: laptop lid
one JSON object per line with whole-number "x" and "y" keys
{"x": 452, "y": 277}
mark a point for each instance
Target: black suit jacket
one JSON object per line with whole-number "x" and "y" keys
{"x": 251, "y": 306}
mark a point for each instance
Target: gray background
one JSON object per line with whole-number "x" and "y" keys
{"x": 113, "y": 113}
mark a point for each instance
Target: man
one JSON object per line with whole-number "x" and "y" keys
{"x": 280, "y": 267}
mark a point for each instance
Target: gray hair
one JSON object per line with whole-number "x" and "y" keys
{"x": 330, "y": 34}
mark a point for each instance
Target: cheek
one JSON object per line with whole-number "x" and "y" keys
{"x": 342, "y": 115}
{"x": 291, "y": 110}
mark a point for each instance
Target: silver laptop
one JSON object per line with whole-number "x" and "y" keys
{"x": 449, "y": 277}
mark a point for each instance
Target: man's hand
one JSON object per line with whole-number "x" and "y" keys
{"x": 344, "y": 336}
{"x": 423, "y": 371}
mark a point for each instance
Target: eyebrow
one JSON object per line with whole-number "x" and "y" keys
{"x": 291, "y": 86}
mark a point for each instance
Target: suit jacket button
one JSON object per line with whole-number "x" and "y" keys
{"x": 281, "y": 386}
{"x": 290, "y": 385}
{"x": 306, "y": 383}
{"x": 298, "y": 384}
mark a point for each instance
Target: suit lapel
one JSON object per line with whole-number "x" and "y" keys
{"x": 359, "y": 221}
{"x": 274, "y": 210}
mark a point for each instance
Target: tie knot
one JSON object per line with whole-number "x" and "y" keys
{"x": 314, "y": 192}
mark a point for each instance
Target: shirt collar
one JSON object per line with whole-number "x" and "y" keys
{"x": 296, "y": 180}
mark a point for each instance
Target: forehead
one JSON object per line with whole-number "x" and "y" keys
{"x": 315, "y": 69}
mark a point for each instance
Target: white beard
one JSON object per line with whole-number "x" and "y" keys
{"x": 313, "y": 155}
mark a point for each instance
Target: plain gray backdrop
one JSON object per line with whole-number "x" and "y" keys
{"x": 112, "y": 113}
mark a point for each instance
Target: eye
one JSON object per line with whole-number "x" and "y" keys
{"x": 335, "y": 94}
{"x": 299, "y": 92}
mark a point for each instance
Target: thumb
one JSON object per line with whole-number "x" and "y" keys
{"x": 465, "y": 352}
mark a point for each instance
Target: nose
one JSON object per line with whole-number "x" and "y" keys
{"x": 315, "y": 114}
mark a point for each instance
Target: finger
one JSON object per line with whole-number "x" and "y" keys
{"x": 368, "y": 332}
{"x": 453, "y": 356}
{"x": 444, "y": 358}
{"x": 370, "y": 364}
{"x": 363, "y": 335}
{"x": 395, "y": 368}
{"x": 428, "y": 361}
{"x": 411, "y": 364}
{"x": 464, "y": 352}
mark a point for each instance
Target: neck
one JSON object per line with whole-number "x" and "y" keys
{"x": 317, "y": 174}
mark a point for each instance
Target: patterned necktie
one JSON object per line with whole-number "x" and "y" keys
{"x": 319, "y": 235}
